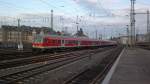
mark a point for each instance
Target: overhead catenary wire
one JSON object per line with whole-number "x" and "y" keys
{"x": 107, "y": 11}
{"x": 60, "y": 8}
{"x": 12, "y": 6}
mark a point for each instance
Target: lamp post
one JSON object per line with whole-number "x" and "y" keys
{"x": 52, "y": 19}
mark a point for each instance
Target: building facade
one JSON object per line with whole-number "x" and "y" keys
{"x": 10, "y": 36}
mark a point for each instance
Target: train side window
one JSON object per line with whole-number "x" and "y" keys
{"x": 66, "y": 42}
{"x": 53, "y": 41}
{"x": 70, "y": 42}
{"x": 56, "y": 41}
{"x": 59, "y": 41}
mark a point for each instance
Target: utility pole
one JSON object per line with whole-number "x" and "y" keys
{"x": 148, "y": 27}
{"x": 100, "y": 36}
{"x": 62, "y": 22}
{"x": 77, "y": 23}
{"x": 96, "y": 33}
{"x": 52, "y": 19}
{"x": 104, "y": 33}
{"x": 132, "y": 23}
{"x": 20, "y": 45}
{"x": 18, "y": 30}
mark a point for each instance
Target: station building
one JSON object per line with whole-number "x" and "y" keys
{"x": 10, "y": 36}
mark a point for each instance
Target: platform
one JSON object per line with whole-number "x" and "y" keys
{"x": 132, "y": 67}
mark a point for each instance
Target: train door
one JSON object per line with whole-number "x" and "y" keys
{"x": 62, "y": 43}
{"x": 79, "y": 42}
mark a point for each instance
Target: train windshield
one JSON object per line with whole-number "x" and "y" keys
{"x": 38, "y": 39}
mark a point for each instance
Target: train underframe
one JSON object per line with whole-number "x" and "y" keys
{"x": 59, "y": 49}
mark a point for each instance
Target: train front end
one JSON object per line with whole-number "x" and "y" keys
{"x": 37, "y": 42}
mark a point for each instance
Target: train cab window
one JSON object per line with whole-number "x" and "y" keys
{"x": 38, "y": 40}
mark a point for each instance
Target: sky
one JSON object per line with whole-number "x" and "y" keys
{"x": 102, "y": 15}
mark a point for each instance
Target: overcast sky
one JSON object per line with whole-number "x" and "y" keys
{"x": 109, "y": 17}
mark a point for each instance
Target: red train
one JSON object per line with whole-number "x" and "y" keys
{"x": 55, "y": 42}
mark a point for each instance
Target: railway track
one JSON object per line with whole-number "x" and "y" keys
{"x": 41, "y": 58}
{"x": 21, "y": 76}
{"x": 35, "y": 59}
{"x": 144, "y": 45}
{"x": 96, "y": 74}
{"x": 13, "y": 54}
{"x": 17, "y": 77}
